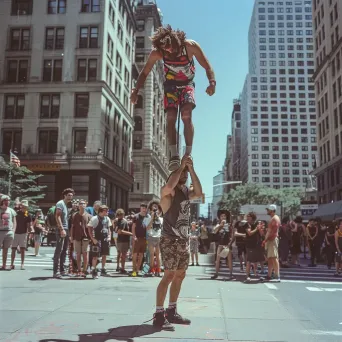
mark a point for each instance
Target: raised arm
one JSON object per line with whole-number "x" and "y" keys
{"x": 152, "y": 59}
{"x": 196, "y": 191}
{"x": 173, "y": 180}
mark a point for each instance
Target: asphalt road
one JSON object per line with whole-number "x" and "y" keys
{"x": 34, "y": 307}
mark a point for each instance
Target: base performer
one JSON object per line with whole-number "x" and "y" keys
{"x": 177, "y": 54}
{"x": 174, "y": 242}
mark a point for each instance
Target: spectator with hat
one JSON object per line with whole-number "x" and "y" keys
{"x": 8, "y": 225}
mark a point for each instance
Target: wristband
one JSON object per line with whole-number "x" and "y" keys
{"x": 212, "y": 82}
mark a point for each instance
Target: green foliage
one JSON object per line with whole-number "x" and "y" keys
{"x": 289, "y": 198}
{"x": 23, "y": 184}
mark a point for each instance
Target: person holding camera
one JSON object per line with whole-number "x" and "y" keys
{"x": 154, "y": 225}
{"x": 100, "y": 234}
{"x": 226, "y": 239}
{"x": 79, "y": 237}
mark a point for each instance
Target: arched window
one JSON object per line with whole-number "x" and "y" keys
{"x": 138, "y": 124}
{"x": 140, "y": 102}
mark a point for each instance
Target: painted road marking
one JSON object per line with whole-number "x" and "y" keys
{"x": 271, "y": 286}
{"x": 321, "y": 289}
{"x": 323, "y": 333}
{"x": 311, "y": 282}
{"x": 314, "y": 289}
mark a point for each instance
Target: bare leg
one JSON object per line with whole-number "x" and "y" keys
{"x": 186, "y": 112}
{"x": 104, "y": 259}
{"x": 248, "y": 269}
{"x": 151, "y": 251}
{"x": 157, "y": 252}
{"x": 118, "y": 258}
{"x": 171, "y": 126}
{"x": 85, "y": 262}
{"x": 123, "y": 260}
{"x": 134, "y": 262}
{"x": 139, "y": 262}
{"x": 230, "y": 263}
{"x": 218, "y": 259}
{"x": 79, "y": 261}
{"x": 163, "y": 287}
{"x": 176, "y": 285}
{"x": 270, "y": 266}
{"x": 276, "y": 267}
{"x": 196, "y": 256}
{"x": 4, "y": 257}
{"x": 14, "y": 250}
{"x": 192, "y": 257}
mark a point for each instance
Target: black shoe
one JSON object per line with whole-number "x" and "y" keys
{"x": 103, "y": 271}
{"x": 173, "y": 317}
{"x": 192, "y": 264}
{"x": 197, "y": 264}
{"x": 215, "y": 276}
{"x": 174, "y": 163}
{"x": 160, "y": 322}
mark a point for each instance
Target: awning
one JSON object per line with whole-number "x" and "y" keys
{"x": 329, "y": 211}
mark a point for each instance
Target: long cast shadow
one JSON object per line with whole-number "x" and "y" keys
{"x": 124, "y": 333}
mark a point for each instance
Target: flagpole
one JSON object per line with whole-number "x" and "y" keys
{"x": 10, "y": 176}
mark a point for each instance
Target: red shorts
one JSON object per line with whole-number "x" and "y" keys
{"x": 176, "y": 96}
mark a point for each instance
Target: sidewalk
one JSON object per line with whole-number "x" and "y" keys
{"x": 117, "y": 308}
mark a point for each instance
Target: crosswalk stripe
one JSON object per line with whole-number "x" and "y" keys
{"x": 271, "y": 286}
{"x": 314, "y": 289}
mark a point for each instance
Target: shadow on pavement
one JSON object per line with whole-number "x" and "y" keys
{"x": 40, "y": 278}
{"x": 123, "y": 333}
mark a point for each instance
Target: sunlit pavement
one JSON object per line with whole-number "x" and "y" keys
{"x": 35, "y": 307}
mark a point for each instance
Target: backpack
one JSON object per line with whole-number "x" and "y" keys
{"x": 51, "y": 217}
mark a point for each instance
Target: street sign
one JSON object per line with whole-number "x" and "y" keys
{"x": 199, "y": 200}
{"x": 308, "y": 209}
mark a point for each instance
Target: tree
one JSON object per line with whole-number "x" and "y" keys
{"x": 288, "y": 198}
{"x": 23, "y": 183}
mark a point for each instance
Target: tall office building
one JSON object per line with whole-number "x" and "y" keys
{"x": 278, "y": 146}
{"x": 236, "y": 140}
{"x": 65, "y": 81}
{"x": 150, "y": 147}
{"x": 327, "y": 15}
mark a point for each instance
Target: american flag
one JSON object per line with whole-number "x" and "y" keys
{"x": 14, "y": 159}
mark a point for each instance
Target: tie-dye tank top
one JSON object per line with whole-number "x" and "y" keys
{"x": 180, "y": 70}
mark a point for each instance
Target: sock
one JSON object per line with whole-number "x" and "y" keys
{"x": 159, "y": 309}
{"x": 172, "y": 305}
{"x": 188, "y": 150}
{"x": 173, "y": 150}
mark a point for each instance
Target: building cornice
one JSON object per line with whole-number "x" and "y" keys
{"x": 151, "y": 10}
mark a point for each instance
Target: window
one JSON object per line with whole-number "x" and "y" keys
{"x": 118, "y": 62}
{"x": 11, "y": 140}
{"x": 17, "y": 71}
{"x": 86, "y": 70}
{"x": 126, "y": 77}
{"x": 80, "y": 141}
{"x": 111, "y": 14}
{"x": 14, "y": 106}
{"x": 90, "y": 6}
{"x": 22, "y": 7}
{"x": 137, "y": 143}
{"x": 120, "y": 32}
{"x": 49, "y": 106}
{"x": 57, "y": 6}
{"x": 110, "y": 47}
{"x": 140, "y": 25}
{"x": 140, "y": 43}
{"x": 48, "y": 141}
{"x": 81, "y": 105}
{"x": 52, "y": 70}
{"x": 138, "y": 124}
{"x": 20, "y": 39}
{"x": 89, "y": 37}
{"x": 54, "y": 38}
{"x": 128, "y": 50}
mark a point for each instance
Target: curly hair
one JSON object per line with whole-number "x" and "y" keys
{"x": 165, "y": 37}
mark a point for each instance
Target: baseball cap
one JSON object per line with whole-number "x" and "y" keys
{"x": 271, "y": 207}
{"x": 24, "y": 203}
{"x": 4, "y": 198}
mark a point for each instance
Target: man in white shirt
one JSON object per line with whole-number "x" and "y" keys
{"x": 100, "y": 234}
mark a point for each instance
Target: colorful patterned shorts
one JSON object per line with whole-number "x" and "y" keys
{"x": 175, "y": 253}
{"x": 177, "y": 96}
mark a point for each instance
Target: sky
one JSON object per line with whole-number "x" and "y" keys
{"x": 221, "y": 29}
